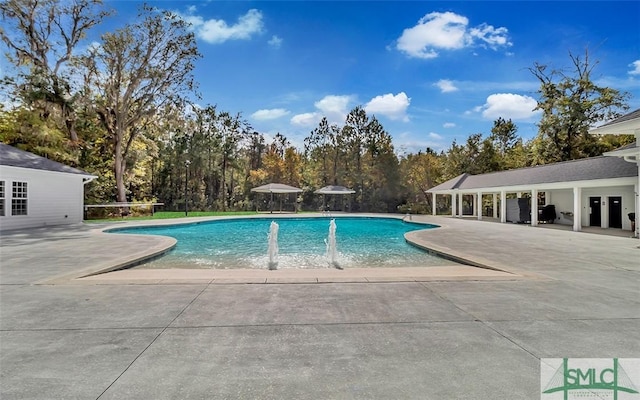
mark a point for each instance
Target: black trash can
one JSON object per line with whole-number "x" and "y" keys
{"x": 632, "y": 218}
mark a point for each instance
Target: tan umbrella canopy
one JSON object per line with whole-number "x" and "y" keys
{"x": 332, "y": 189}
{"x": 277, "y": 188}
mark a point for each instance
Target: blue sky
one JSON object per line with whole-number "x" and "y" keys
{"x": 431, "y": 72}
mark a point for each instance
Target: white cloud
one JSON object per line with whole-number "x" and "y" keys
{"x": 273, "y": 113}
{"x": 218, "y": 31}
{"x": 493, "y": 37}
{"x": 333, "y": 104}
{"x": 636, "y": 68}
{"x": 509, "y": 106}
{"x": 446, "y": 86}
{"x": 306, "y": 119}
{"x": 449, "y": 125}
{"x": 334, "y": 107}
{"x": 392, "y": 107}
{"x": 275, "y": 42}
{"x": 448, "y": 31}
{"x": 406, "y": 142}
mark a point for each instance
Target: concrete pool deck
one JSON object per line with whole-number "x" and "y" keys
{"x": 467, "y": 333}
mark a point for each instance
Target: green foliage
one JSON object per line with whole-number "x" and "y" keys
{"x": 570, "y": 104}
{"x": 127, "y": 121}
{"x": 133, "y": 73}
{"x": 25, "y": 129}
{"x": 42, "y": 38}
{"x": 172, "y": 215}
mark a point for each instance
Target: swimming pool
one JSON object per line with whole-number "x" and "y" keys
{"x": 243, "y": 243}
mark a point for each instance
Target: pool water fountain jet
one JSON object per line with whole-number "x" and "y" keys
{"x": 332, "y": 251}
{"x": 273, "y": 245}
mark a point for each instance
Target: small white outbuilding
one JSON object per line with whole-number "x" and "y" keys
{"x": 37, "y": 192}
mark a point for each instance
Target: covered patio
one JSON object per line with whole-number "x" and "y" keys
{"x": 592, "y": 192}
{"x": 335, "y": 192}
{"x": 276, "y": 188}
{"x": 628, "y": 124}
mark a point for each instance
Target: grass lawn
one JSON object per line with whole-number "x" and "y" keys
{"x": 173, "y": 214}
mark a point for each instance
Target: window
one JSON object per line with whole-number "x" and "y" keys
{"x": 2, "y": 198}
{"x": 19, "y": 199}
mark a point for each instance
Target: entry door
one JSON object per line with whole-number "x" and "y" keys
{"x": 595, "y": 218}
{"x": 615, "y": 212}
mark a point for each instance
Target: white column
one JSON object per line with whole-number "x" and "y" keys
{"x": 460, "y": 203}
{"x": 637, "y": 187}
{"x": 454, "y": 200}
{"x": 637, "y": 210}
{"x": 519, "y": 195}
{"x": 503, "y": 206}
{"x": 474, "y": 202}
{"x": 577, "y": 209}
{"x": 495, "y": 206}
{"x": 534, "y": 207}
{"x": 433, "y": 204}
{"x": 479, "y": 203}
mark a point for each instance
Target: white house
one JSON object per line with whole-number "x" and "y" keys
{"x": 36, "y": 192}
{"x": 597, "y": 191}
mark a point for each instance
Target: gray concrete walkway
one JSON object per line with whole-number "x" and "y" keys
{"x": 467, "y": 333}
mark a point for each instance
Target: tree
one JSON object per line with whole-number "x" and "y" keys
{"x": 230, "y": 131}
{"x": 420, "y": 172}
{"x": 381, "y": 176}
{"x": 503, "y": 135}
{"x": 317, "y": 150}
{"x": 42, "y": 37}
{"x": 353, "y": 135}
{"x": 136, "y": 71}
{"x": 570, "y": 104}
{"x": 292, "y": 166}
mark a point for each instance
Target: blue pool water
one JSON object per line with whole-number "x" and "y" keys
{"x": 243, "y": 243}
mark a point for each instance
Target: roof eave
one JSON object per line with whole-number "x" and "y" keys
{"x": 630, "y": 127}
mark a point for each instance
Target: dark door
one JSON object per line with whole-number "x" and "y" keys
{"x": 595, "y": 218}
{"x": 615, "y": 212}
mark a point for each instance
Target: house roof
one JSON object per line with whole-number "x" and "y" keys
{"x": 14, "y": 157}
{"x": 569, "y": 171}
{"x": 631, "y": 145}
{"x": 627, "y": 117}
{"x": 628, "y": 124}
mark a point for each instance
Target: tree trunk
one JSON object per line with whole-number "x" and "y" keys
{"x": 119, "y": 168}
{"x": 223, "y": 185}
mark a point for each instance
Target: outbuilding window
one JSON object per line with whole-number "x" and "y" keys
{"x": 19, "y": 198}
{"x": 2, "y": 196}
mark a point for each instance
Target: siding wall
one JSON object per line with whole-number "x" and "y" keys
{"x": 54, "y": 198}
{"x": 563, "y": 200}
{"x": 626, "y": 192}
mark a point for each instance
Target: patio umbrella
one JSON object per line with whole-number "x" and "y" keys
{"x": 276, "y": 188}
{"x": 333, "y": 189}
